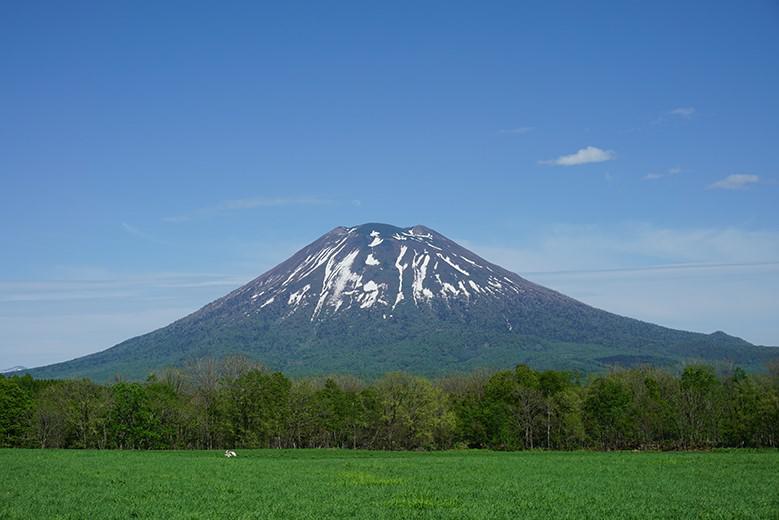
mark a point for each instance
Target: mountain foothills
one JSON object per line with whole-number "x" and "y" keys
{"x": 376, "y": 298}
{"x": 12, "y": 370}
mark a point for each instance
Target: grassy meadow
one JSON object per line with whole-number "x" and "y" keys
{"x": 317, "y": 484}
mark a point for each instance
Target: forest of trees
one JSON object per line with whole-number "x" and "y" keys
{"x": 235, "y": 403}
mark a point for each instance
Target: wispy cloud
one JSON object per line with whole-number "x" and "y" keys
{"x": 516, "y": 131}
{"x": 138, "y": 287}
{"x": 683, "y": 112}
{"x": 663, "y": 268}
{"x": 688, "y": 297}
{"x": 669, "y": 173}
{"x": 138, "y": 233}
{"x": 48, "y": 320}
{"x": 672, "y": 276}
{"x": 32, "y": 339}
{"x": 574, "y": 247}
{"x": 270, "y": 202}
{"x": 177, "y": 219}
{"x": 590, "y": 154}
{"x": 737, "y": 181}
{"x": 248, "y": 203}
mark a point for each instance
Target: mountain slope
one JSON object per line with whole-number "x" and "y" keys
{"x": 12, "y": 370}
{"x": 375, "y": 297}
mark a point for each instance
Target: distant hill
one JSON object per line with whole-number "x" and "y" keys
{"x": 375, "y": 298}
{"x": 13, "y": 370}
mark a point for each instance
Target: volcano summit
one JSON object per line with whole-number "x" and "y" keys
{"x": 374, "y": 298}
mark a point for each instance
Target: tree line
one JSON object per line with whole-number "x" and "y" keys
{"x": 235, "y": 403}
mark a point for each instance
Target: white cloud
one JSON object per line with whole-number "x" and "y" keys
{"x": 735, "y": 182}
{"x": 247, "y": 203}
{"x": 590, "y": 154}
{"x": 655, "y": 176}
{"x": 683, "y": 112}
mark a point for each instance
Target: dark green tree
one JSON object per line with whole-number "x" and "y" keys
{"x": 607, "y": 413}
{"x": 15, "y": 412}
{"x": 700, "y": 407}
{"x": 133, "y": 425}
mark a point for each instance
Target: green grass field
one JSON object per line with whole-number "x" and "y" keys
{"x": 322, "y": 484}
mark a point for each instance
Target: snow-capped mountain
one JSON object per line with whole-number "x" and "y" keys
{"x": 377, "y": 268}
{"x": 373, "y": 298}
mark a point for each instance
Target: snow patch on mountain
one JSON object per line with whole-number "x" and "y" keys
{"x": 296, "y": 297}
{"x": 400, "y": 267}
{"x": 470, "y": 261}
{"x": 337, "y": 275}
{"x": 376, "y": 239}
{"x": 371, "y": 294}
{"x": 419, "y": 264}
{"x": 451, "y": 263}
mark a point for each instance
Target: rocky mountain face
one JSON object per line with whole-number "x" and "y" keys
{"x": 375, "y": 297}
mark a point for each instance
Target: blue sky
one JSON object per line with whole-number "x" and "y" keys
{"x": 153, "y": 157}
